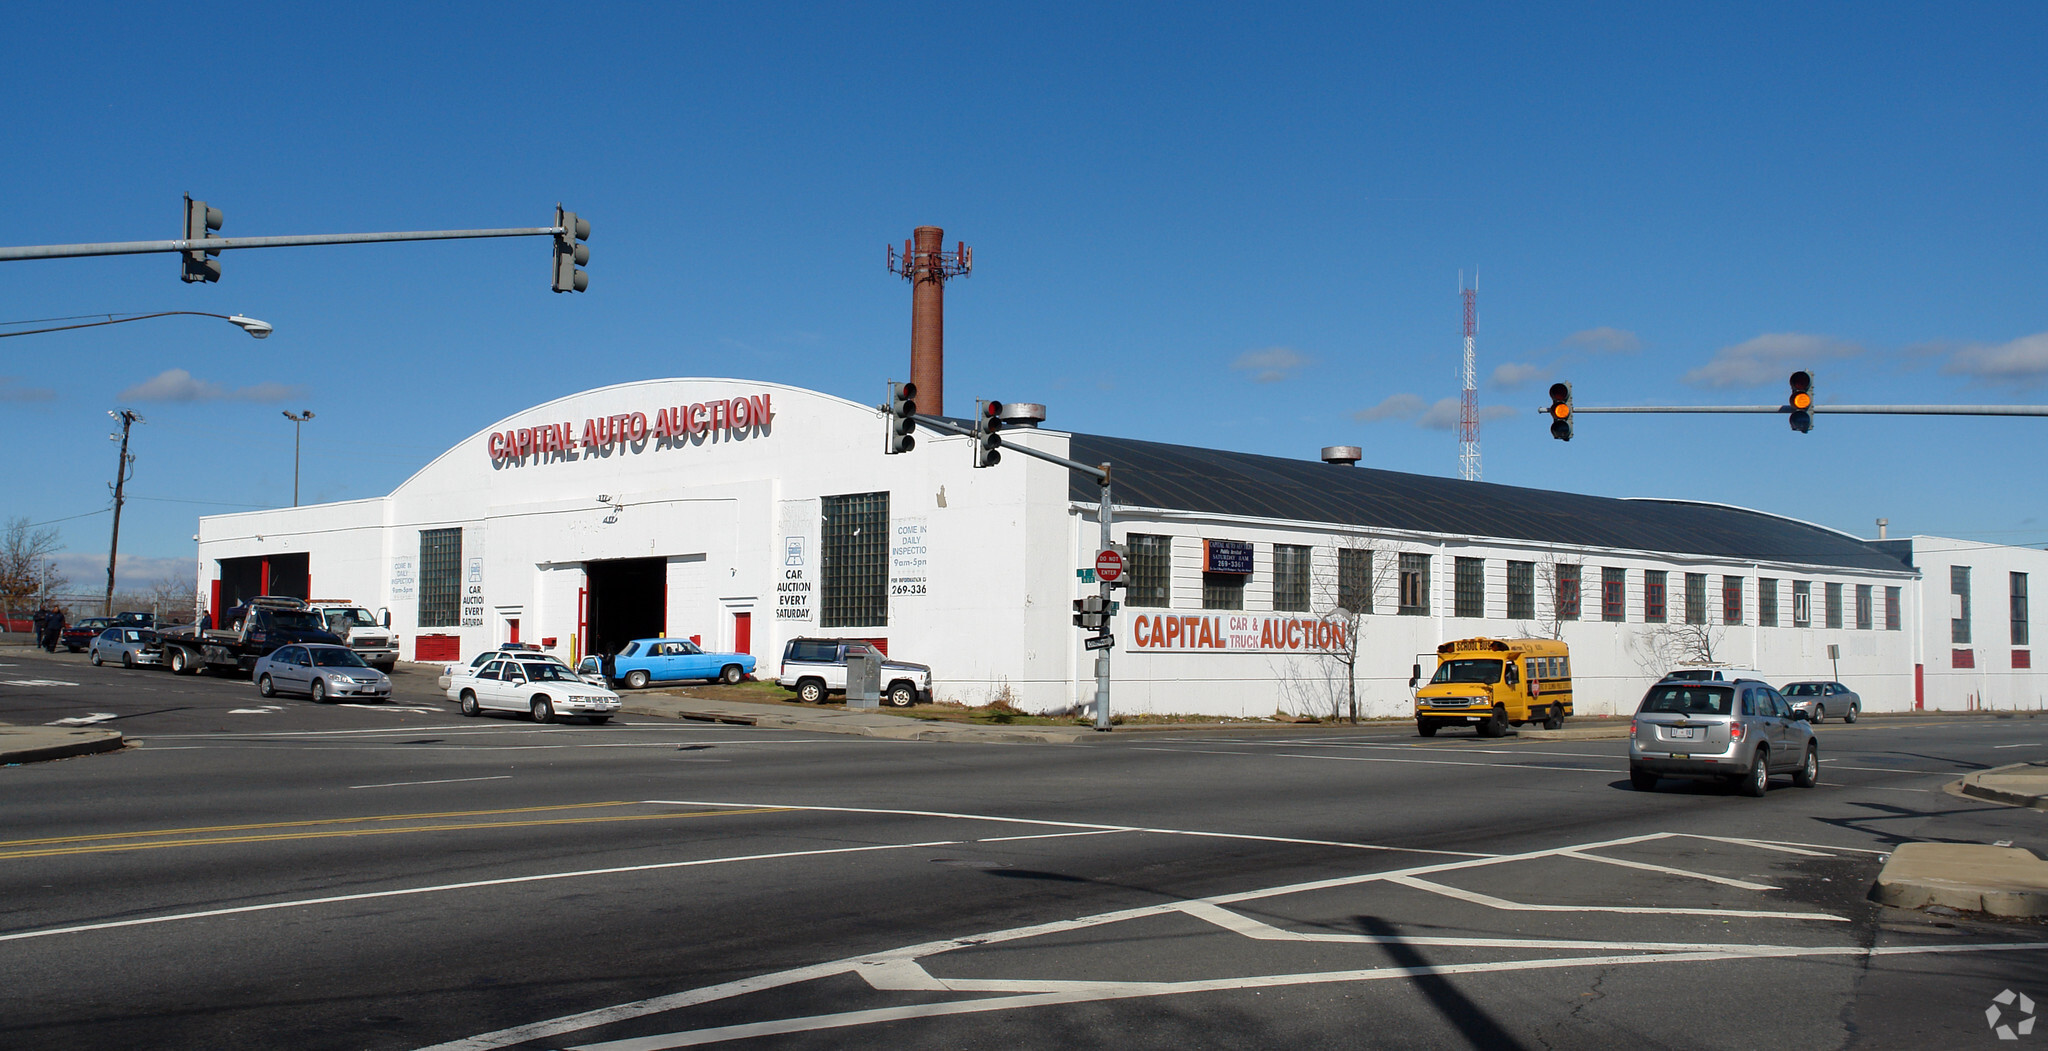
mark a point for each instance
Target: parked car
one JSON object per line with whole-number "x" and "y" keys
{"x": 544, "y": 689}
{"x": 1816, "y": 699}
{"x": 130, "y": 646}
{"x": 816, "y": 668}
{"x": 134, "y": 619}
{"x": 1741, "y": 731}
{"x": 78, "y": 636}
{"x": 643, "y": 661}
{"x": 321, "y": 671}
{"x": 515, "y": 651}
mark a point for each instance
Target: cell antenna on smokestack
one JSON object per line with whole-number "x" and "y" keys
{"x": 1468, "y": 398}
{"x": 927, "y": 265}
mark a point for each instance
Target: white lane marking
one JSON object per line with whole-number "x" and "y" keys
{"x": 1455, "y": 749}
{"x": 1669, "y": 871}
{"x": 1888, "y": 788}
{"x": 392, "y": 708}
{"x": 1081, "y": 992}
{"x": 2025, "y": 744}
{"x": 1240, "y": 924}
{"x": 444, "y": 781}
{"x": 268, "y": 709}
{"x": 469, "y": 729}
{"x": 1504, "y": 905}
{"x": 300, "y": 903}
{"x": 1380, "y": 759}
{"x": 1068, "y": 824}
{"x": 1052, "y": 835}
{"x": 35, "y": 682}
{"x": 1895, "y": 770}
{"x": 83, "y": 720}
{"x": 1817, "y": 850}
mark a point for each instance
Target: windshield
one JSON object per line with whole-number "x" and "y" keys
{"x": 1467, "y": 671}
{"x": 336, "y": 657}
{"x": 1803, "y": 689}
{"x": 547, "y": 673}
{"x": 1700, "y": 699}
{"x": 296, "y": 620}
{"x": 339, "y": 620}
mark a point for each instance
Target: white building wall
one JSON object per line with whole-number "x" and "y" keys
{"x": 1990, "y": 676}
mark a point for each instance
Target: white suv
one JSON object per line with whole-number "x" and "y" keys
{"x": 814, "y": 668}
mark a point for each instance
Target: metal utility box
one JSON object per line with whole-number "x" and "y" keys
{"x": 863, "y": 678}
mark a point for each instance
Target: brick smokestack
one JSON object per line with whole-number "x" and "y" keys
{"x": 928, "y": 321}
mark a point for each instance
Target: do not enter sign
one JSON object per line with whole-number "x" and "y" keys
{"x": 1109, "y": 565}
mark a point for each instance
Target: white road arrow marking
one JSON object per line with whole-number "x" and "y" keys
{"x": 84, "y": 720}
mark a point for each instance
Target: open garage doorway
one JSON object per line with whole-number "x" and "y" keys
{"x": 626, "y": 600}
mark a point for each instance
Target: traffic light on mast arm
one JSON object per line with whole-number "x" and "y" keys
{"x": 1560, "y": 411}
{"x": 570, "y": 253}
{"x": 987, "y": 422}
{"x": 1801, "y": 401}
{"x": 199, "y": 221}
{"x": 902, "y": 421}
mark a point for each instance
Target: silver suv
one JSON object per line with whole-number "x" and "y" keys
{"x": 1741, "y": 731}
{"x": 815, "y": 668}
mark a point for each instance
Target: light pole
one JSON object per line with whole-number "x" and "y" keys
{"x": 297, "y": 419}
{"x": 258, "y": 329}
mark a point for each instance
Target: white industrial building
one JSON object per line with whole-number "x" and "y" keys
{"x": 747, "y": 513}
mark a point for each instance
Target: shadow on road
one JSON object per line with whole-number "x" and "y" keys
{"x": 1467, "y": 1016}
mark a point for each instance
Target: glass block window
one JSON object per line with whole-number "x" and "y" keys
{"x": 1151, "y": 570}
{"x": 1959, "y": 595}
{"x": 1864, "y": 613}
{"x": 1354, "y": 579}
{"x": 1802, "y": 604}
{"x": 1470, "y": 587}
{"x": 1568, "y": 592}
{"x": 1653, "y": 595}
{"x": 1891, "y": 609}
{"x": 1767, "y": 602}
{"x": 1414, "y": 585}
{"x": 1695, "y": 598}
{"x": 1731, "y": 600}
{"x": 1290, "y": 577}
{"x": 2019, "y": 609}
{"x": 440, "y": 578}
{"x": 1223, "y": 590}
{"x": 1521, "y": 590}
{"x": 1613, "y": 594}
{"x": 1834, "y": 607}
{"x": 855, "y": 576}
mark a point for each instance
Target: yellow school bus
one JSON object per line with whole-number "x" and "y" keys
{"x": 1492, "y": 684}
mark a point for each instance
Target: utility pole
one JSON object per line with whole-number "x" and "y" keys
{"x": 128, "y": 418}
{"x": 297, "y": 419}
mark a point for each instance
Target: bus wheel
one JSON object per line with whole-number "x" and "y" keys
{"x": 1555, "y": 721}
{"x": 1496, "y": 725}
{"x": 1426, "y": 727}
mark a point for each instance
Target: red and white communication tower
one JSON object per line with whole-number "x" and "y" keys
{"x": 1468, "y": 398}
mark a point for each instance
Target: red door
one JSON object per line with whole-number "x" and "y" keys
{"x": 743, "y": 632}
{"x": 512, "y": 625}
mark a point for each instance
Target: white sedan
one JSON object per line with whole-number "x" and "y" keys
{"x": 542, "y": 688}
{"x": 511, "y": 653}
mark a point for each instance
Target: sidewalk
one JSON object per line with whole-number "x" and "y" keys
{"x": 1995, "y": 880}
{"x": 34, "y": 744}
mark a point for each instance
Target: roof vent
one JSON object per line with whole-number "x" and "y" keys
{"x": 1345, "y": 455}
{"x": 1022, "y": 414}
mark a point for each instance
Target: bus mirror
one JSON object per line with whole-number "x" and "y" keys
{"x": 1414, "y": 675}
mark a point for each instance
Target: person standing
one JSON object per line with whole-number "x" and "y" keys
{"x": 56, "y": 629}
{"x": 41, "y": 620}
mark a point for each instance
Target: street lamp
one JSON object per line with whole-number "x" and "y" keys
{"x": 297, "y": 419}
{"x": 258, "y": 329}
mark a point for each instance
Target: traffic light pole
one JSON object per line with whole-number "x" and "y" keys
{"x": 1101, "y": 475}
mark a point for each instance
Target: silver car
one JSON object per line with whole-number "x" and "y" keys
{"x": 320, "y": 671}
{"x": 1741, "y": 731}
{"x": 133, "y": 647}
{"x": 1817, "y": 699}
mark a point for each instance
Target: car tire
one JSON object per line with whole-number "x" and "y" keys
{"x": 1820, "y": 714}
{"x": 1426, "y": 727}
{"x": 318, "y": 691}
{"x": 469, "y": 706}
{"x": 731, "y": 675}
{"x": 127, "y": 659}
{"x": 1757, "y": 780}
{"x": 180, "y": 665}
{"x": 1555, "y": 720}
{"x": 1808, "y": 773}
{"x": 1850, "y": 715}
{"x": 543, "y": 712}
{"x": 1495, "y": 725}
{"x": 901, "y": 695}
{"x": 72, "y": 649}
{"x": 636, "y": 680}
{"x": 810, "y": 691}
{"x": 95, "y": 659}
{"x": 1642, "y": 780}
{"x": 265, "y": 687}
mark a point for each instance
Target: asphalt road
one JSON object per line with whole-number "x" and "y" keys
{"x": 279, "y": 874}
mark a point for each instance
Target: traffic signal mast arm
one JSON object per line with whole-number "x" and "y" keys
{"x": 215, "y": 244}
{"x": 1100, "y": 474}
{"x": 1866, "y": 410}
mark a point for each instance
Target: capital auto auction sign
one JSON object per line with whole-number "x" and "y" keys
{"x": 1234, "y": 633}
{"x": 726, "y": 419}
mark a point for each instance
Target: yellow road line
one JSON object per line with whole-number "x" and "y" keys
{"x": 114, "y": 848}
{"x": 307, "y": 824}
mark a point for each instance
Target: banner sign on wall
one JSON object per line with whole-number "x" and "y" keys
{"x": 907, "y": 558}
{"x": 1235, "y": 633}
{"x": 1226, "y": 556}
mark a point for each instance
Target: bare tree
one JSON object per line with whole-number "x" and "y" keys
{"x": 1359, "y": 580}
{"x": 1658, "y": 650}
{"x": 173, "y": 596}
{"x": 1551, "y": 590}
{"x": 26, "y": 568}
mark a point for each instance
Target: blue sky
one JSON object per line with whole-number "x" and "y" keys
{"x": 1234, "y": 227}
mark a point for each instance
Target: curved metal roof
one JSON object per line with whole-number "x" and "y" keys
{"x": 1183, "y": 478}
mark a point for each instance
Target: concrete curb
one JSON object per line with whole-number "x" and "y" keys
{"x": 2021, "y": 784}
{"x": 37, "y": 744}
{"x": 856, "y": 724}
{"x": 1997, "y": 881}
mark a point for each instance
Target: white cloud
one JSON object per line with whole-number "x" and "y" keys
{"x": 1605, "y": 340}
{"x": 1496, "y": 412}
{"x": 1272, "y": 364}
{"x": 179, "y": 385}
{"x": 1768, "y": 359}
{"x": 1442, "y": 416}
{"x": 2022, "y": 362}
{"x": 12, "y": 390}
{"x": 1510, "y": 375}
{"x": 1395, "y": 407}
